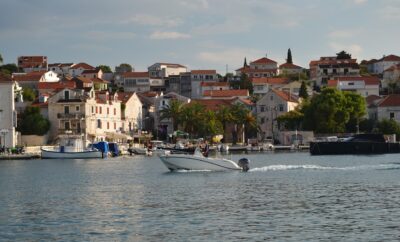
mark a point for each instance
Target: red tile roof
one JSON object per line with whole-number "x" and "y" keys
{"x": 171, "y": 65}
{"x": 226, "y": 93}
{"x": 213, "y": 104}
{"x": 204, "y": 72}
{"x": 390, "y": 58}
{"x": 392, "y": 100}
{"x": 82, "y": 79}
{"x": 269, "y": 80}
{"x": 263, "y": 60}
{"x": 250, "y": 70}
{"x": 99, "y": 80}
{"x": 93, "y": 71}
{"x": 368, "y": 80}
{"x": 32, "y": 76}
{"x": 289, "y": 66}
{"x": 56, "y": 85}
{"x": 83, "y": 66}
{"x": 125, "y": 96}
{"x": 332, "y": 83}
{"x": 289, "y": 97}
{"x": 135, "y": 74}
{"x": 393, "y": 68}
{"x": 371, "y": 99}
{"x": 214, "y": 84}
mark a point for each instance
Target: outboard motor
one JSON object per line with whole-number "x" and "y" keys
{"x": 244, "y": 163}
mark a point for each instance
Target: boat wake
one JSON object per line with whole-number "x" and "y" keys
{"x": 392, "y": 166}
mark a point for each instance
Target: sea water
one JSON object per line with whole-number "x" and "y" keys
{"x": 284, "y": 197}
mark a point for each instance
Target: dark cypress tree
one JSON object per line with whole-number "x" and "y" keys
{"x": 303, "y": 90}
{"x": 289, "y": 57}
{"x": 245, "y": 62}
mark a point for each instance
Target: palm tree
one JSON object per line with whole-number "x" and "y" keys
{"x": 173, "y": 111}
{"x": 211, "y": 124}
{"x": 239, "y": 113}
{"x": 191, "y": 118}
{"x": 224, "y": 115}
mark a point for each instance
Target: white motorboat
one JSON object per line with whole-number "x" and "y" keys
{"x": 71, "y": 147}
{"x": 198, "y": 162}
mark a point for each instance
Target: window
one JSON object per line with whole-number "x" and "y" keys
{"x": 98, "y": 123}
{"x": 391, "y": 115}
{"x": 67, "y": 126}
{"x": 92, "y": 109}
{"x": 271, "y": 97}
{"x": 115, "y": 125}
{"x": 77, "y": 108}
{"x": 262, "y": 120}
{"x": 66, "y": 95}
{"x": 108, "y": 125}
{"x": 262, "y": 109}
{"x": 66, "y": 109}
{"x": 97, "y": 110}
{"x": 281, "y": 107}
{"x": 108, "y": 111}
{"x": 100, "y": 110}
{"x": 115, "y": 111}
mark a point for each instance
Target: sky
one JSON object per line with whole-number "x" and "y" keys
{"x": 200, "y": 34}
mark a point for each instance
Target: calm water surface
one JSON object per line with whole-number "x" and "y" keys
{"x": 284, "y": 197}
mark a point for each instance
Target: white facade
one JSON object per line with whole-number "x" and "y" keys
{"x": 162, "y": 70}
{"x": 49, "y": 76}
{"x": 8, "y": 115}
{"x": 382, "y": 65}
{"x": 269, "y": 107}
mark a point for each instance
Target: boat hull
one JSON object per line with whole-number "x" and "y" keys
{"x": 192, "y": 162}
{"x": 91, "y": 154}
{"x": 346, "y": 148}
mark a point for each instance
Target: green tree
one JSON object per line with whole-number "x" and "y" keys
{"x": 210, "y": 124}
{"x": 32, "y": 122}
{"x": 289, "y": 57}
{"x": 173, "y": 111}
{"x": 192, "y": 118}
{"x": 291, "y": 120}
{"x": 342, "y": 55}
{"x": 126, "y": 66}
{"x": 29, "y": 94}
{"x": 303, "y": 90}
{"x": 8, "y": 69}
{"x": 104, "y": 68}
{"x": 326, "y": 112}
{"x": 245, "y": 63}
{"x": 239, "y": 118}
{"x": 356, "y": 107}
{"x": 1, "y": 59}
{"x": 245, "y": 83}
{"x": 388, "y": 126}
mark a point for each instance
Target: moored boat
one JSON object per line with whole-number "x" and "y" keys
{"x": 71, "y": 147}
{"x": 357, "y": 144}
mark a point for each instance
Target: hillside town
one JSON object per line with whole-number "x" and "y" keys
{"x": 42, "y": 99}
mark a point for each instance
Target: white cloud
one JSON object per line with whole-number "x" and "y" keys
{"x": 390, "y": 12}
{"x": 151, "y": 20}
{"x": 195, "y": 4}
{"x": 169, "y": 35}
{"x": 343, "y": 33}
{"x": 354, "y": 49}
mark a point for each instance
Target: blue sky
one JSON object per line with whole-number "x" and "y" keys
{"x": 201, "y": 34}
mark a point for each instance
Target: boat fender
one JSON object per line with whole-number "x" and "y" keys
{"x": 244, "y": 163}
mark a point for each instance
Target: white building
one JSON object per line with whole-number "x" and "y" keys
{"x": 135, "y": 81}
{"x": 385, "y": 108}
{"x": 269, "y": 107}
{"x": 77, "y": 69}
{"x": 364, "y": 85}
{"x": 201, "y": 76}
{"x": 131, "y": 112}
{"x": 162, "y": 70}
{"x": 262, "y": 85}
{"x": 385, "y": 62}
{"x": 8, "y": 114}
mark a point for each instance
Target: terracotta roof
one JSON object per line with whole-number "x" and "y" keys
{"x": 289, "y": 97}
{"x": 149, "y": 94}
{"x": 368, "y": 80}
{"x": 214, "y": 84}
{"x": 226, "y": 93}
{"x": 263, "y": 60}
{"x": 205, "y": 72}
{"x": 83, "y": 66}
{"x": 31, "y": 76}
{"x": 213, "y": 104}
{"x": 289, "y": 66}
{"x": 245, "y": 101}
{"x": 125, "y": 96}
{"x": 371, "y": 99}
{"x": 269, "y": 80}
{"x": 331, "y": 61}
{"x": 135, "y": 74}
{"x": 390, "y": 58}
{"x": 83, "y": 79}
{"x": 250, "y": 70}
{"x": 56, "y": 85}
{"x": 390, "y": 101}
{"x": 93, "y": 71}
{"x": 332, "y": 83}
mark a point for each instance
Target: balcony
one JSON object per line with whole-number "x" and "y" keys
{"x": 71, "y": 131}
{"x": 70, "y": 115}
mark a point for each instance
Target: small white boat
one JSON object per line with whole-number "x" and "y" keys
{"x": 198, "y": 162}
{"x": 71, "y": 147}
